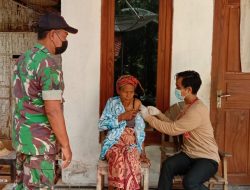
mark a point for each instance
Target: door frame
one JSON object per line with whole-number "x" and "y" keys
{"x": 163, "y": 57}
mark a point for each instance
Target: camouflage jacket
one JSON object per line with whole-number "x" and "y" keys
{"x": 37, "y": 77}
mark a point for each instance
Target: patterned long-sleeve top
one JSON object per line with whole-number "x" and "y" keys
{"x": 109, "y": 121}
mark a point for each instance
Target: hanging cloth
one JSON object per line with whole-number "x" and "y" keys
{"x": 245, "y": 35}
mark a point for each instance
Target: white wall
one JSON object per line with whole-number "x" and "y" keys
{"x": 81, "y": 66}
{"x": 192, "y": 48}
{"x": 192, "y": 42}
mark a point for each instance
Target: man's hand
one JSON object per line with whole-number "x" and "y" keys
{"x": 153, "y": 110}
{"x": 66, "y": 157}
{"x": 144, "y": 111}
{"x": 53, "y": 109}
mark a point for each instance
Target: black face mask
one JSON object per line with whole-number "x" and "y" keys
{"x": 60, "y": 50}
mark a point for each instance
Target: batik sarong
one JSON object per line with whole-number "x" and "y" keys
{"x": 124, "y": 164}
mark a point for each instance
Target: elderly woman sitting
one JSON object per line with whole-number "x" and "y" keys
{"x": 123, "y": 146}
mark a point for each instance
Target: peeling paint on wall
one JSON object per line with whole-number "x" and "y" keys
{"x": 78, "y": 173}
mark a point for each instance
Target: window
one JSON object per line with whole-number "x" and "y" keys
{"x": 136, "y": 40}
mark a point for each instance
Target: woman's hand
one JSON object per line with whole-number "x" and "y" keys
{"x": 144, "y": 159}
{"x": 128, "y": 115}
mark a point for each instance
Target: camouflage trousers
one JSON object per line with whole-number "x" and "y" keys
{"x": 35, "y": 171}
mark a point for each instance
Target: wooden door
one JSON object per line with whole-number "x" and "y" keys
{"x": 232, "y": 119}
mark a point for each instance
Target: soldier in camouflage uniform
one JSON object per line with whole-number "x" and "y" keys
{"x": 38, "y": 118}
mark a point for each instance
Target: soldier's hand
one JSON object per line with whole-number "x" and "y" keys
{"x": 66, "y": 156}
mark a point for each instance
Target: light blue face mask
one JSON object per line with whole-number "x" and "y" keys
{"x": 178, "y": 94}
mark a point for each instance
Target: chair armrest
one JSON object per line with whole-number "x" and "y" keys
{"x": 224, "y": 154}
{"x": 168, "y": 151}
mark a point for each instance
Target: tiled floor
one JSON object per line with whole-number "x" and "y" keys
{"x": 9, "y": 187}
{"x": 92, "y": 188}
{"x": 61, "y": 186}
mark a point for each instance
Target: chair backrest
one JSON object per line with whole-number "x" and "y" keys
{"x": 174, "y": 110}
{"x": 169, "y": 143}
